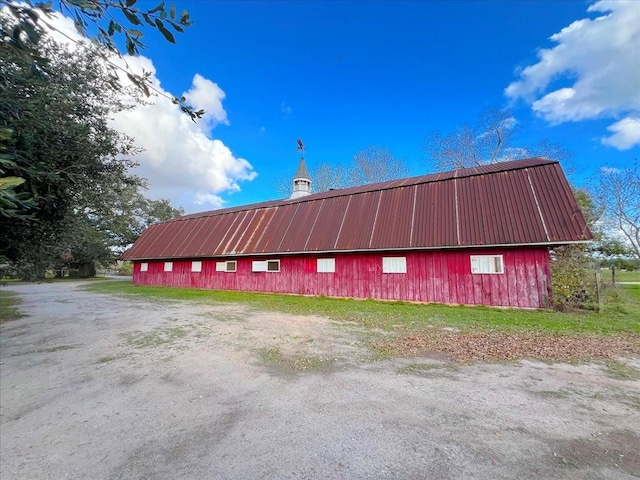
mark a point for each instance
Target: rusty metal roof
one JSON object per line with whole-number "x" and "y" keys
{"x": 522, "y": 202}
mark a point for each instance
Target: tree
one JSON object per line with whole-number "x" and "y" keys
{"x": 376, "y": 164}
{"x": 30, "y": 19}
{"x": 326, "y": 177}
{"x": 370, "y": 165}
{"x": 617, "y": 191}
{"x": 71, "y": 161}
{"x": 490, "y": 140}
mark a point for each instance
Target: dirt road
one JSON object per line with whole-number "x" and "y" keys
{"x": 99, "y": 387}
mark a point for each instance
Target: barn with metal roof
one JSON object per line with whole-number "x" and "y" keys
{"x": 471, "y": 236}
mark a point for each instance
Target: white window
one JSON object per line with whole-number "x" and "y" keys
{"x": 487, "y": 264}
{"x": 168, "y": 266}
{"x": 265, "y": 266}
{"x": 196, "y": 266}
{"x": 258, "y": 266}
{"x": 394, "y": 265}
{"x": 144, "y": 266}
{"x": 228, "y": 266}
{"x": 326, "y": 265}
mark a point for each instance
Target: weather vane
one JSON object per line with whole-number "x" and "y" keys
{"x": 300, "y": 147}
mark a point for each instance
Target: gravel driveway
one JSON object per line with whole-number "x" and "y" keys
{"x": 93, "y": 386}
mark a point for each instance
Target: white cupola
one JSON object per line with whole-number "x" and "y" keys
{"x": 302, "y": 179}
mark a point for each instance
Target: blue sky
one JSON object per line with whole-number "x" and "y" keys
{"x": 343, "y": 76}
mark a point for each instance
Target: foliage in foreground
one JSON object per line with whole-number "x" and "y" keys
{"x": 84, "y": 202}
{"x": 573, "y": 281}
{"x": 620, "y": 315}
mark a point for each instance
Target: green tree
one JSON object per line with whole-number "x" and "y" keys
{"x": 63, "y": 149}
{"x": 104, "y": 22}
{"x": 23, "y": 25}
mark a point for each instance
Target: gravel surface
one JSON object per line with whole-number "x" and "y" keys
{"x": 93, "y": 386}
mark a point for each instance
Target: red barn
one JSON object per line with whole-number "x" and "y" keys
{"x": 472, "y": 236}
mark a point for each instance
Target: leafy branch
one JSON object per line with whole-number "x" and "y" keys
{"x": 26, "y": 32}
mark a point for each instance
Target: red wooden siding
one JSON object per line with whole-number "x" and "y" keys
{"x": 432, "y": 276}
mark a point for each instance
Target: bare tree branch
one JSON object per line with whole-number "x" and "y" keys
{"x": 490, "y": 140}
{"x": 618, "y": 193}
{"x": 370, "y": 165}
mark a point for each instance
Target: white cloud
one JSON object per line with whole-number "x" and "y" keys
{"x": 179, "y": 157}
{"x": 596, "y": 65}
{"x": 286, "y": 109}
{"x": 180, "y": 160}
{"x": 625, "y": 134}
{"x": 207, "y": 95}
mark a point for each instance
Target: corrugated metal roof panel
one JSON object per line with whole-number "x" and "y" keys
{"x": 522, "y": 202}
{"x": 394, "y": 219}
{"x": 274, "y": 231}
{"x": 328, "y": 225}
{"x": 359, "y": 220}
{"x": 257, "y": 229}
{"x": 435, "y": 216}
{"x": 215, "y": 231}
{"x": 562, "y": 214}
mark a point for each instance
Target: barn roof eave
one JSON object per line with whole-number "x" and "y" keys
{"x": 391, "y": 249}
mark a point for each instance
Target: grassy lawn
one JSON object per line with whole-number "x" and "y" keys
{"x": 621, "y": 313}
{"x": 8, "y": 309}
{"x": 621, "y": 276}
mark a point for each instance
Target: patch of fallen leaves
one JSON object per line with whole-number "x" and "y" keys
{"x": 495, "y": 346}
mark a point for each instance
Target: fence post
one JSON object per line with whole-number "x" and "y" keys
{"x": 599, "y": 291}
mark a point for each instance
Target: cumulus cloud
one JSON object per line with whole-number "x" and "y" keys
{"x": 207, "y": 95}
{"x": 180, "y": 160}
{"x": 179, "y": 157}
{"x": 596, "y": 67}
{"x": 625, "y": 134}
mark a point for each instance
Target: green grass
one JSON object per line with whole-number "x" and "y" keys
{"x": 159, "y": 336}
{"x": 622, "y": 276}
{"x": 8, "y": 309}
{"x": 425, "y": 368}
{"x": 622, "y": 371}
{"x": 296, "y": 363}
{"x": 632, "y": 291}
{"x": 71, "y": 279}
{"x": 621, "y": 310}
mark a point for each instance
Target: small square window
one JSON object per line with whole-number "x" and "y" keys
{"x": 273, "y": 265}
{"x": 196, "y": 266}
{"x": 394, "y": 265}
{"x": 144, "y": 266}
{"x": 326, "y": 265}
{"x": 168, "y": 266}
{"x": 491, "y": 264}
